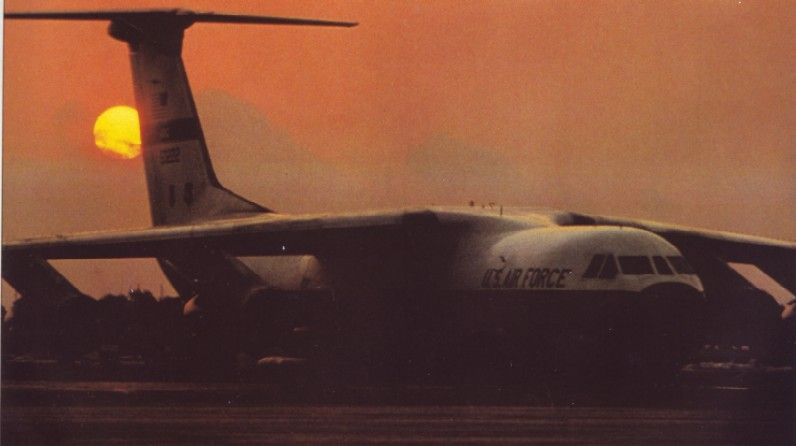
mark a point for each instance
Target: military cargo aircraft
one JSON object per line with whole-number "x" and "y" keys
{"x": 478, "y": 292}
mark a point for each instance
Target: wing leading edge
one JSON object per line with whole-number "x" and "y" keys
{"x": 269, "y": 235}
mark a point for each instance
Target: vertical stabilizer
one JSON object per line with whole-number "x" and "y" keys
{"x": 180, "y": 179}
{"x": 182, "y": 185}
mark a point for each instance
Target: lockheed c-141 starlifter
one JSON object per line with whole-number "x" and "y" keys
{"x": 431, "y": 293}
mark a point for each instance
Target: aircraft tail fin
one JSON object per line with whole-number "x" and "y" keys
{"x": 181, "y": 182}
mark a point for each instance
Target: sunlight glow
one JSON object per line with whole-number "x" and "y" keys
{"x": 117, "y": 132}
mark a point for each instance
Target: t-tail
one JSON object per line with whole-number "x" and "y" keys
{"x": 182, "y": 185}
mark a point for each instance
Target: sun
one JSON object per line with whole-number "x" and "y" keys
{"x": 117, "y": 132}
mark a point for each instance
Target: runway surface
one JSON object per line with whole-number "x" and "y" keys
{"x": 136, "y": 414}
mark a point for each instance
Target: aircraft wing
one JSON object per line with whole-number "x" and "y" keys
{"x": 776, "y": 258}
{"x": 267, "y": 235}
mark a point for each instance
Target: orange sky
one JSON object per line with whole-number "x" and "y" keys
{"x": 675, "y": 111}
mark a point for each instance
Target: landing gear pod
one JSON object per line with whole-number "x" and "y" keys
{"x": 666, "y": 328}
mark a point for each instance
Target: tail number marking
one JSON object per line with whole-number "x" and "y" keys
{"x": 170, "y": 155}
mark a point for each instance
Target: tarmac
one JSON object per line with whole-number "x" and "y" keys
{"x": 135, "y": 413}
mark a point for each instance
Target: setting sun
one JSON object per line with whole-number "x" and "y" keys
{"x": 117, "y": 133}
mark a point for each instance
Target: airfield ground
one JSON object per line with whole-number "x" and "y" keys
{"x": 102, "y": 413}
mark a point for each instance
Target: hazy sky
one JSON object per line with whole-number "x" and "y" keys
{"x": 674, "y": 111}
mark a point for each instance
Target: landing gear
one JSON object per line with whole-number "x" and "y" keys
{"x": 666, "y": 328}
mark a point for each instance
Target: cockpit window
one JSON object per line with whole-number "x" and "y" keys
{"x": 680, "y": 265}
{"x": 635, "y": 265}
{"x": 662, "y": 266}
{"x": 594, "y": 267}
{"x": 609, "y": 269}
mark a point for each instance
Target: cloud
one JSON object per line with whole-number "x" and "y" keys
{"x": 261, "y": 162}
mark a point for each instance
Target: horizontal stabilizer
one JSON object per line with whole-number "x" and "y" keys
{"x": 183, "y": 16}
